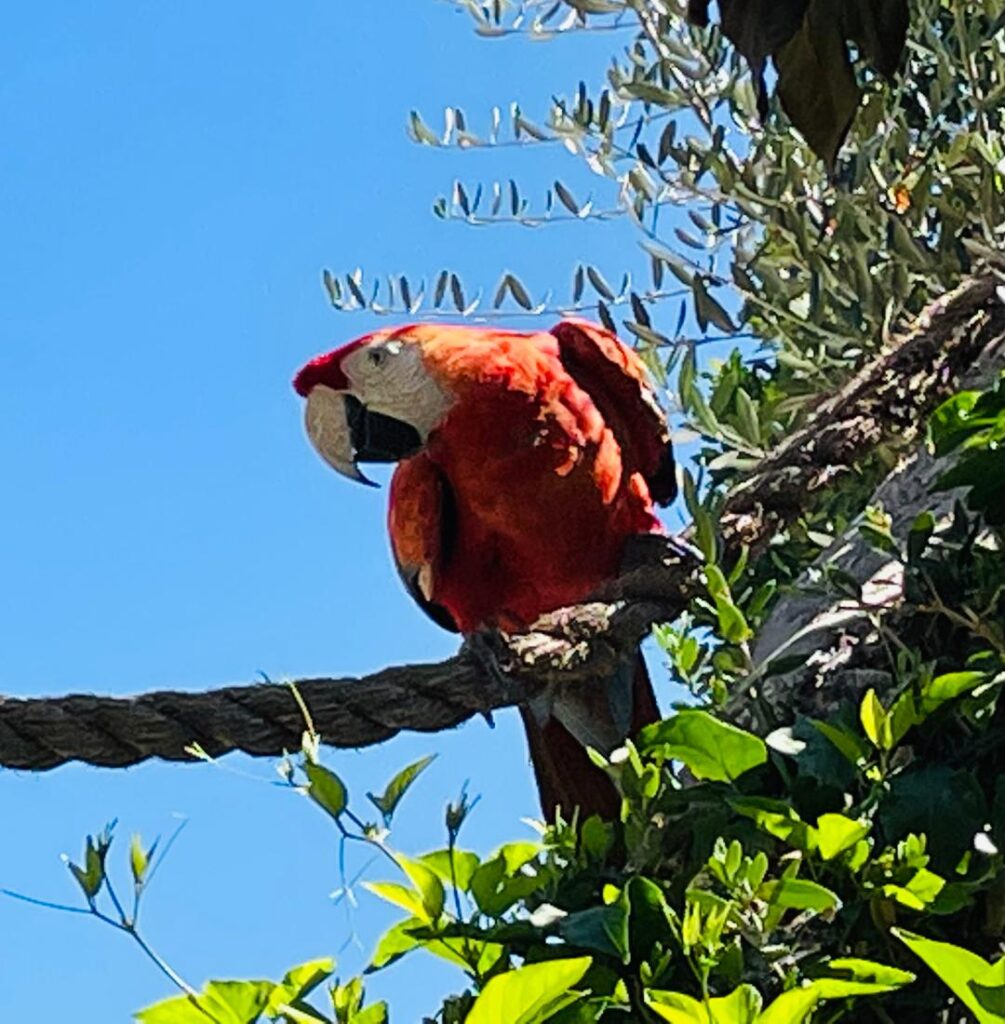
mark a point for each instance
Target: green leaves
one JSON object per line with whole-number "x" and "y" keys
{"x": 424, "y": 901}
{"x": 875, "y": 721}
{"x": 325, "y": 788}
{"x": 245, "y": 1002}
{"x": 973, "y": 423}
{"x": 91, "y": 877}
{"x": 743, "y": 1004}
{"x": 835, "y": 834}
{"x": 800, "y": 894}
{"x": 711, "y": 749}
{"x": 707, "y": 310}
{"x": 604, "y": 929}
{"x": 388, "y": 801}
{"x": 980, "y": 986}
{"x": 530, "y": 994}
{"x": 224, "y": 1002}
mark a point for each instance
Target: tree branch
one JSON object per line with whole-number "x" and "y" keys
{"x": 887, "y": 401}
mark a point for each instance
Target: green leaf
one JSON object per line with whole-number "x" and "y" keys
{"x": 708, "y": 310}
{"x": 792, "y": 1007}
{"x": 799, "y": 894}
{"x": 139, "y": 859}
{"x": 325, "y": 788}
{"x": 741, "y": 1006}
{"x": 298, "y": 983}
{"x": 604, "y": 929}
{"x": 650, "y": 919}
{"x": 400, "y": 896}
{"x": 836, "y": 833}
{"x": 529, "y": 994}
{"x": 498, "y": 883}
{"x": 395, "y": 943}
{"x": 600, "y": 285}
{"x": 711, "y": 749}
{"x": 388, "y": 801}
{"x": 732, "y": 624}
{"x": 459, "y": 872}
{"x": 176, "y": 1010}
{"x": 875, "y": 721}
{"x": 777, "y": 819}
{"x": 375, "y": 1013}
{"x": 948, "y": 687}
{"x": 961, "y": 970}
{"x": 919, "y": 892}
{"x": 948, "y": 425}
{"x": 848, "y": 743}
{"x": 420, "y": 132}
{"x": 224, "y": 1002}
{"x": 91, "y": 876}
{"x": 302, "y": 1014}
{"x": 428, "y": 884}
{"x": 871, "y": 972}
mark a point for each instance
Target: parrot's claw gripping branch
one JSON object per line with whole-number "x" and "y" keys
{"x": 886, "y": 402}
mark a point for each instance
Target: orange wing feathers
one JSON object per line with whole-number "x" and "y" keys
{"x": 618, "y": 383}
{"x": 420, "y": 522}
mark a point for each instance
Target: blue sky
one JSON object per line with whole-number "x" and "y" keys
{"x": 173, "y": 178}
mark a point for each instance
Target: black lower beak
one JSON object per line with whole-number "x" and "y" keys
{"x": 379, "y": 438}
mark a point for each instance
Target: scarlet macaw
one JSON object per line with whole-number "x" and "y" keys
{"x": 525, "y": 461}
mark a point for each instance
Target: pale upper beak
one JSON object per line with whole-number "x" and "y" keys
{"x": 345, "y": 432}
{"x": 327, "y": 418}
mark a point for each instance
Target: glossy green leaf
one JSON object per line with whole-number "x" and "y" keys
{"x": 388, "y": 801}
{"x": 224, "y": 1002}
{"x": 836, "y": 833}
{"x": 325, "y": 788}
{"x": 961, "y": 970}
{"x": 400, "y": 896}
{"x": 427, "y": 883}
{"x": 298, "y": 983}
{"x": 875, "y": 721}
{"x": 454, "y": 867}
{"x": 741, "y": 1006}
{"x": 799, "y": 894}
{"x": 603, "y": 929}
{"x": 529, "y": 994}
{"x": 710, "y": 748}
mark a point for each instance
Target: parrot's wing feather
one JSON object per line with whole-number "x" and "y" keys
{"x": 617, "y": 381}
{"x": 422, "y": 521}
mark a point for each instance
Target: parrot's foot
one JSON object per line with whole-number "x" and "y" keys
{"x": 489, "y": 650}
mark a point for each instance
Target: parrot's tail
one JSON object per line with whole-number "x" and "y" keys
{"x": 581, "y": 716}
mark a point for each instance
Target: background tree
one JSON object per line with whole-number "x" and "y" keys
{"x": 841, "y": 858}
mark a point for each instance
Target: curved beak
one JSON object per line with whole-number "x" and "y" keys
{"x": 345, "y": 432}
{"x": 330, "y": 429}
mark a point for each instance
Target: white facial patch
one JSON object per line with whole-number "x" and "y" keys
{"x": 389, "y": 377}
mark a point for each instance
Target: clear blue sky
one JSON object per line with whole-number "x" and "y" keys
{"x": 173, "y": 177}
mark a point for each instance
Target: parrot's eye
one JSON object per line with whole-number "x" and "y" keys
{"x": 377, "y": 356}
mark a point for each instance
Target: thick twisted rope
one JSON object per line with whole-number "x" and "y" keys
{"x": 885, "y": 402}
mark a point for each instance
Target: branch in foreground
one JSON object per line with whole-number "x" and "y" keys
{"x": 886, "y": 402}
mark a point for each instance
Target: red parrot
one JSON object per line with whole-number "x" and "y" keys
{"x": 525, "y": 462}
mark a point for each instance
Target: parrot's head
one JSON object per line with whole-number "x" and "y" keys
{"x": 372, "y": 400}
